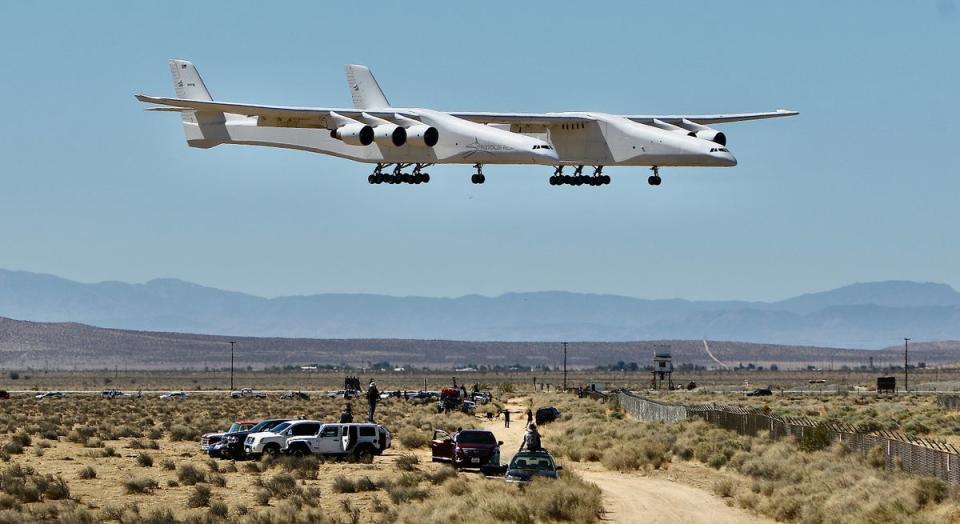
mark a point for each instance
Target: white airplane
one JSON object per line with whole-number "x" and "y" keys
{"x": 396, "y": 138}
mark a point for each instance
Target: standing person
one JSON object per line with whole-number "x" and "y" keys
{"x": 529, "y": 416}
{"x": 346, "y": 416}
{"x": 531, "y": 439}
{"x": 373, "y": 395}
{"x": 506, "y": 418}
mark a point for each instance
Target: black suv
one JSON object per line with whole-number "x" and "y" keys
{"x": 547, "y": 414}
{"x": 231, "y": 444}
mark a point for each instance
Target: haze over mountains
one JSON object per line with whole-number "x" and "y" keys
{"x": 866, "y": 315}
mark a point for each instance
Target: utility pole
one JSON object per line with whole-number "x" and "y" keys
{"x": 906, "y": 366}
{"x": 564, "y": 366}
{"x": 232, "y": 343}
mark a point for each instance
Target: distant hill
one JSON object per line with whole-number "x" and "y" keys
{"x": 866, "y": 315}
{"x": 77, "y": 346}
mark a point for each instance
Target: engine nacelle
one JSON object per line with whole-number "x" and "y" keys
{"x": 704, "y": 132}
{"x": 712, "y": 135}
{"x": 423, "y": 135}
{"x": 387, "y": 134}
{"x": 354, "y": 134}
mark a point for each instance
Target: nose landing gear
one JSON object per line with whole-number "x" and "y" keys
{"x": 478, "y": 177}
{"x": 654, "y": 179}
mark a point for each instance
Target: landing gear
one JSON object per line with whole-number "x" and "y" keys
{"x": 398, "y": 176}
{"x": 478, "y": 177}
{"x": 578, "y": 178}
{"x": 654, "y": 179}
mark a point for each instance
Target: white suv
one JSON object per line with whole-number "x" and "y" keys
{"x": 271, "y": 442}
{"x": 361, "y": 441}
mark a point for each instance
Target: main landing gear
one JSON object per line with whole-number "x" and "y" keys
{"x": 578, "y": 178}
{"x": 398, "y": 177}
{"x": 478, "y": 177}
{"x": 654, "y": 179}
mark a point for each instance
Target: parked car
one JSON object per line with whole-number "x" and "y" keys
{"x": 175, "y": 395}
{"x": 231, "y": 444}
{"x": 4, "y": 395}
{"x": 469, "y": 407}
{"x": 546, "y": 415}
{"x": 247, "y": 393}
{"x": 275, "y": 439}
{"x": 210, "y": 439}
{"x": 113, "y": 393}
{"x": 361, "y": 441}
{"x": 470, "y": 448}
{"x": 49, "y": 394}
{"x": 343, "y": 393}
{"x": 760, "y": 392}
{"x": 528, "y": 464}
{"x": 294, "y": 395}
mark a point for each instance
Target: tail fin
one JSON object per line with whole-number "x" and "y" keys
{"x": 364, "y": 90}
{"x": 187, "y": 81}
{"x": 203, "y": 129}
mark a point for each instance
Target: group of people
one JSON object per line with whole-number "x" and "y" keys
{"x": 373, "y": 396}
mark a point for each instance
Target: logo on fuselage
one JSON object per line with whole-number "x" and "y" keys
{"x": 477, "y": 147}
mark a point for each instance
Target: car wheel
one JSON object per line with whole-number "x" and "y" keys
{"x": 271, "y": 449}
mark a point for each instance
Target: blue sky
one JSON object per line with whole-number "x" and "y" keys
{"x": 862, "y": 186}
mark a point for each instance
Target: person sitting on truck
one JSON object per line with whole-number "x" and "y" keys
{"x": 346, "y": 416}
{"x": 531, "y": 439}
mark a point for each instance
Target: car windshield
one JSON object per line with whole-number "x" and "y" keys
{"x": 280, "y": 427}
{"x": 262, "y": 426}
{"x": 542, "y": 463}
{"x": 476, "y": 437}
{"x": 234, "y": 427}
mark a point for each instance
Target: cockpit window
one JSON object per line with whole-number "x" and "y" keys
{"x": 542, "y": 147}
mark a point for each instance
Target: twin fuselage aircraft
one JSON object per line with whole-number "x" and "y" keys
{"x": 396, "y": 138}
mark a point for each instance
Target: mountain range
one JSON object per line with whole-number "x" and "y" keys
{"x": 865, "y": 315}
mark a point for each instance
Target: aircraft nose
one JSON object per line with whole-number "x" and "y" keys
{"x": 549, "y": 154}
{"x": 728, "y": 159}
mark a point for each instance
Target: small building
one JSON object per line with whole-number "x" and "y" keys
{"x": 886, "y": 385}
{"x": 662, "y": 369}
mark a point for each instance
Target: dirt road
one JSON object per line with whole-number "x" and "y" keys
{"x": 631, "y": 497}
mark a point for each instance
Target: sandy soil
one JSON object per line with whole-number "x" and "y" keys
{"x": 633, "y": 497}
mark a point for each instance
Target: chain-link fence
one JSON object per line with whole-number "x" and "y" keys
{"x": 909, "y": 453}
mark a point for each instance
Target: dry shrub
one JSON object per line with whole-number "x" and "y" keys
{"x": 145, "y": 460}
{"x": 199, "y": 497}
{"x": 413, "y": 438}
{"x": 407, "y": 462}
{"x": 87, "y": 473}
{"x": 140, "y": 485}
{"x": 189, "y": 475}
{"x": 724, "y": 488}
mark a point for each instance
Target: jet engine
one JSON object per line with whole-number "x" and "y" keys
{"x": 423, "y": 135}
{"x": 354, "y": 134}
{"x": 387, "y": 134}
{"x": 704, "y": 132}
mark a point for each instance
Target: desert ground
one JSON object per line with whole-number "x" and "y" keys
{"x": 85, "y": 459}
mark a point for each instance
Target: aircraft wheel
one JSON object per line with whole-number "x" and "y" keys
{"x": 473, "y": 179}
{"x": 653, "y": 180}
{"x": 426, "y": 178}
{"x": 606, "y": 179}
{"x": 370, "y": 179}
{"x": 481, "y": 179}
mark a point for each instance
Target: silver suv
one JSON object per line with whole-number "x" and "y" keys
{"x": 360, "y": 441}
{"x": 271, "y": 442}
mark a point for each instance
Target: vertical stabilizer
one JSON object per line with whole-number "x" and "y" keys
{"x": 187, "y": 81}
{"x": 364, "y": 90}
{"x": 203, "y": 129}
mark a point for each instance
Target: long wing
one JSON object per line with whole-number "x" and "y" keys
{"x": 268, "y": 112}
{"x": 712, "y": 119}
{"x": 563, "y": 118}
